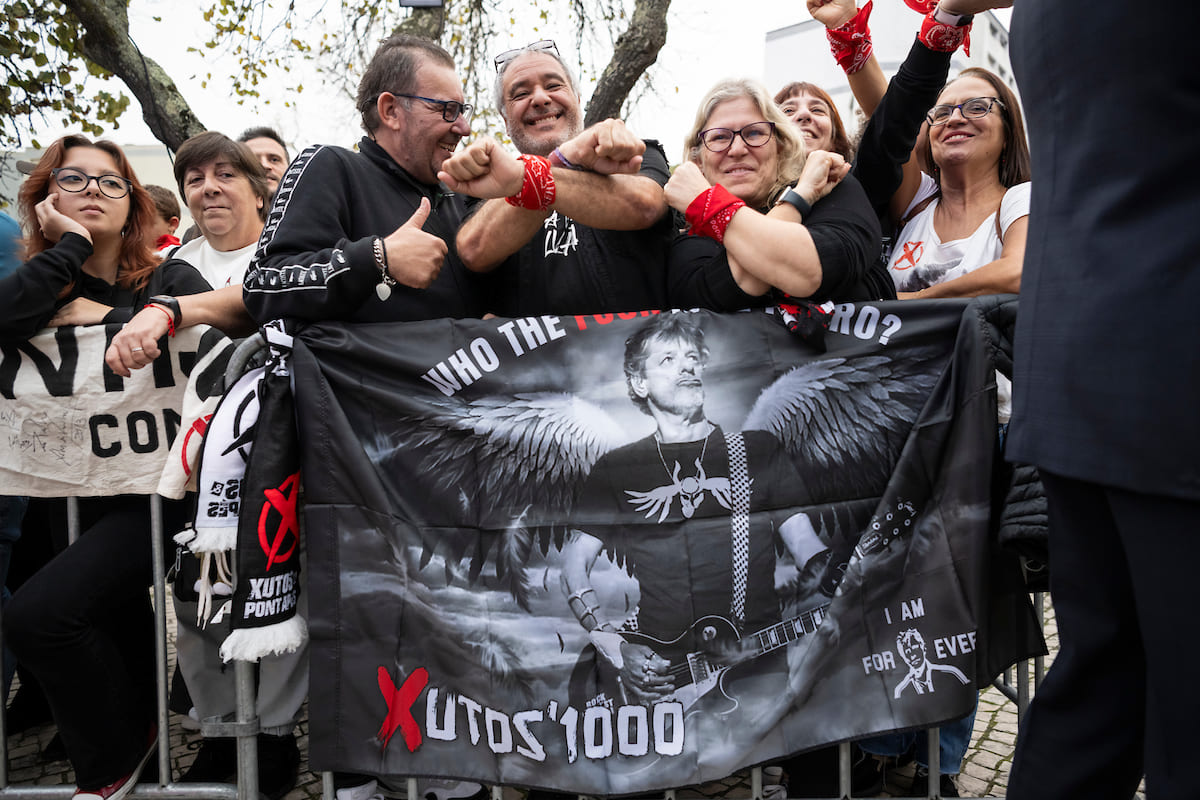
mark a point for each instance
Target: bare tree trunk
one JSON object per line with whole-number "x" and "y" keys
{"x": 106, "y": 42}
{"x": 635, "y": 51}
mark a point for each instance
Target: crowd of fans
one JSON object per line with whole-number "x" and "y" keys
{"x": 771, "y": 205}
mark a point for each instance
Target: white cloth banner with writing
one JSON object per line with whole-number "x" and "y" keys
{"x": 70, "y": 426}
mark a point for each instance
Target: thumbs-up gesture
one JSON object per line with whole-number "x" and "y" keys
{"x": 415, "y": 257}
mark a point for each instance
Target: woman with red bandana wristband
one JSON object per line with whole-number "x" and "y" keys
{"x": 972, "y": 146}
{"x": 765, "y": 217}
{"x": 83, "y": 624}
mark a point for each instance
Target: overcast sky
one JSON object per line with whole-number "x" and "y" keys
{"x": 707, "y": 40}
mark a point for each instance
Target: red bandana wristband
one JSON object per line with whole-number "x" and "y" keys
{"x": 537, "y": 191}
{"x": 711, "y": 212}
{"x": 851, "y": 43}
{"x": 943, "y": 38}
{"x": 170, "y": 317}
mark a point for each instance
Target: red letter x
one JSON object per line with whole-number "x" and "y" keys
{"x": 399, "y": 705}
{"x": 912, "y": 254}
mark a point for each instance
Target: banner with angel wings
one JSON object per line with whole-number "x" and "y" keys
{"x": 619, "y": 553}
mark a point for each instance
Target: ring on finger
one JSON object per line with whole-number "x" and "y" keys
{"x": 136, "y": 349}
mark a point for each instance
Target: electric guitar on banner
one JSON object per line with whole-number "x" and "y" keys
{"x": 697, "y": 673}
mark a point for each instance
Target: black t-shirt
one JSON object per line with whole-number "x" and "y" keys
{"x": 666, "y": 508}
{"x": 569, "y": 268}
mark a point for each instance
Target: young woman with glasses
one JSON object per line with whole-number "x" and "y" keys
{"x": 83, "y": 624}
{"x": 750, "y": 192}
{"x": 89, "y": 261}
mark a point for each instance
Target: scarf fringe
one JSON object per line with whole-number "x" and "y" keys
{"x": 213, "y": 539}
{"x": 251, "y": 644}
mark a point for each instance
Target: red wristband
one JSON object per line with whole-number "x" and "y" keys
{"x": 851, "y": 43}
{"x": 537, "y": 190}
{"x": 711, "y": 212}
{"x": 943, "y": 38}
{"x": 170, "y": 317}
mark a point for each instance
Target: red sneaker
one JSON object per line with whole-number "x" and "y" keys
{"x": 122, "y": 786}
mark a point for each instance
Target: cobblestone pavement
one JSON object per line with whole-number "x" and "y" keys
{"x": 984, "y": 772}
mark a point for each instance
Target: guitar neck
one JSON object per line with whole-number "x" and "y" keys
{"x": 788, "y": 631}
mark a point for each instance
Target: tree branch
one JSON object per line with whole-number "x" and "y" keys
{"x": 106, "y": 43}
{"x": 635, "y": 51}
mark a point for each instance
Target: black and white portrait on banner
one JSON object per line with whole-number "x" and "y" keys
{"x": 625, "y": 552}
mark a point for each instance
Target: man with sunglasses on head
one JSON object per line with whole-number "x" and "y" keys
{"x": 583, "y": 210}
{"x": 367, "y": 236}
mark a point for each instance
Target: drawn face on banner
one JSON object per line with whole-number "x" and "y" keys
{"x": 912, "y": 648}
{"x": 673, "y": 377}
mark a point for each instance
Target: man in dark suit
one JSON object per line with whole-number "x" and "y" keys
{"x": 1107, "y": 391}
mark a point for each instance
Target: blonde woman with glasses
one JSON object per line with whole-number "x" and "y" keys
{"x": 764, "y": 217}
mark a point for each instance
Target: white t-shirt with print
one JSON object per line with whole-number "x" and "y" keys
{"x": 920, "y": 259}
{"x": 219, "y": 268}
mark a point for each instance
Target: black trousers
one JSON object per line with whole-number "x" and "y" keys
{"x": 1120, "y": 698}
{"x": 83, "y": 625}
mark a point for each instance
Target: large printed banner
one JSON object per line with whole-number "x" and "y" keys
{"x": 611, "y": 554}
{"x": 70, "y": 426}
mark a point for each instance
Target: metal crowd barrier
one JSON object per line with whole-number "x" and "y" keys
{"x": 245, "y": 727}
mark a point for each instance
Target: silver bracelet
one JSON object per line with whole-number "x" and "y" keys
{"x": 384, "y": 288}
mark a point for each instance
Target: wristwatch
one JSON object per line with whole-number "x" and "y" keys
{"x": 794, "y": 199}
{"x": 168, "y": 302}
{"x": 947, "y": 18}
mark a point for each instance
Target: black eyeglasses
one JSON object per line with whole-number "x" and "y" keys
{"x": 451, "y": 109}
{"x": 74, "y": 180}
{"x": 756, "y": 134}
{"x": 540, "y": 46}
{"x": 974, "y": 108}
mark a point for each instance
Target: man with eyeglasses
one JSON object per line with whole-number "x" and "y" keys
{"x": 582, "y": 210}
{"x": 365, "y": 236}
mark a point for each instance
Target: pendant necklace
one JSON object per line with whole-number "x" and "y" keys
{"x": 690, "y": 489}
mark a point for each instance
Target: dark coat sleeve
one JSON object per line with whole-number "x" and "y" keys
{"x": 891, "y": 133}
{"x": 846, "y": 233}
{"x": 308, "y": 266}
{"x": 698, "y": 276}
{"x": 30, "y": 295}
{"x": 844, "y": 230}
{"x": 173, "y": 277}
{"x": 654, "y": 163}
